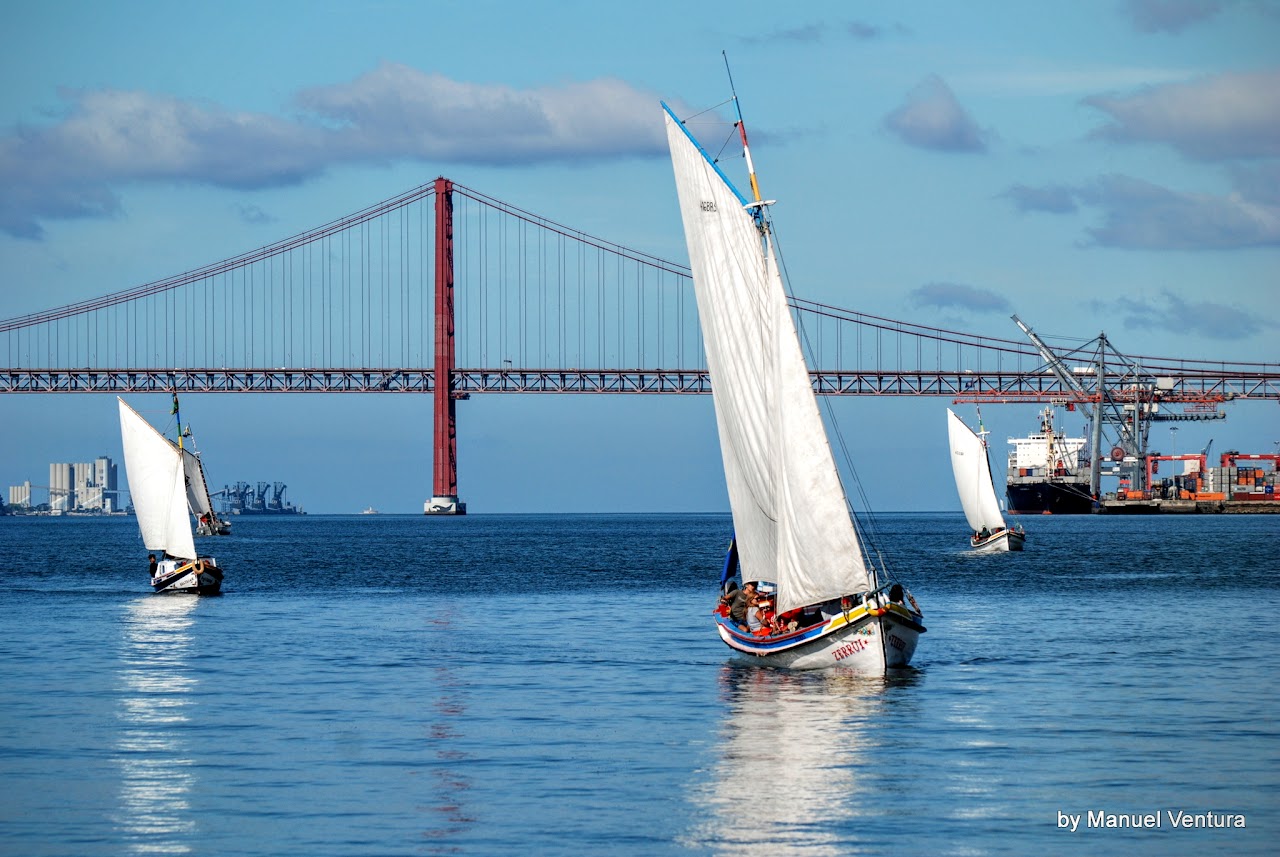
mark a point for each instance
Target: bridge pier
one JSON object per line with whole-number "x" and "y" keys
{"x": 444, "y": 500}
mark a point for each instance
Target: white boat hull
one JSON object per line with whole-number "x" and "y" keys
{"x": 213, "y": 528}
{"x": 1001, "y": 542}
{"x": 866, "y": 639}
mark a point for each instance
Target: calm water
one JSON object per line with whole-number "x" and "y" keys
{"x": 552, "y": 685}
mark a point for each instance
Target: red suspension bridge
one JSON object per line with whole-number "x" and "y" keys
{"x": 448, "y": 291}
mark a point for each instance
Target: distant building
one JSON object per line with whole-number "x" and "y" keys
{"x": 77, "y": 487}
{"x": 82, "y": 479}
{"x": 61, "y": 492}
{"x": 98, "y": 491}
{"x": 20, "y": 495}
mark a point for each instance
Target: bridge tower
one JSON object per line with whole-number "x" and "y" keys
{"x": 444, "y": 500}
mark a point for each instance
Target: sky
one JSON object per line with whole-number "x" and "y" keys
{"x": 1104, "y": 165}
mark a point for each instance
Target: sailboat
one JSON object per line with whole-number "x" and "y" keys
{"x": 157, "y": 485}
{"x": 972, "y": 468}
{"x": 198, "y": 499}
{"x": 795, "y": 542}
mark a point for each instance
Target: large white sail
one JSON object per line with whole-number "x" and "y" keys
{"x": 790, "y": 516}
{"x": 973, "y": 476}
{"x": 157, "y": 485}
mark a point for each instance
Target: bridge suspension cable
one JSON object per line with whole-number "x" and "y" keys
{"x": 539, "y": 307}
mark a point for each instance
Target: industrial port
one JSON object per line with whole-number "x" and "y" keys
{"x": 94, "y": 488}
{"x": 1050, "y": 473}
{"x": 1226, "y": 487}
{"x": 264, "y": 498}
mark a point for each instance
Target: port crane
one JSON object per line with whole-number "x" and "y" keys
{"x": 243, "y": 497}
{"x": 1120, "y": 400}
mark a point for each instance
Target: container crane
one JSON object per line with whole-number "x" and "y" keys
{"x": 1126, "y": 408}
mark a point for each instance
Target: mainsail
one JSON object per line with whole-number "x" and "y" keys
{"x": 790, "y": 516}
{"x": 157, "y": 485}
{"x": 973, "y": 476}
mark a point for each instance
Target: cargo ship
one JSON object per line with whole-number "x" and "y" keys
{"x": 1048, "y": 472}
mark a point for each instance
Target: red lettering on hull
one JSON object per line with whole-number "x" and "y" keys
{"x": 850, "y": 648}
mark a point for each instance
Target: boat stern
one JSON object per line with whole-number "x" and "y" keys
{"x": 198, "y": 577}
{"x": 1001, "y": 541}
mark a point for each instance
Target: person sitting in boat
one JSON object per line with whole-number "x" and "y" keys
{"x": 726, "y": 598}
{"x": 151, "y": 564}
{"x": 743, "y": 599}
{"x": 984, "y": 533}
{"x": 789, "y": 621}
{"x": 766, "y": 624}
{"x": 758, "y": 617}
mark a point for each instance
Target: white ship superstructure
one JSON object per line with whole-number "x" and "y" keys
{"x": 1048, "y": 471}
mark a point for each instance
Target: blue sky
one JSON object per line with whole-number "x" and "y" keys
{"x": 1090, "y": 166}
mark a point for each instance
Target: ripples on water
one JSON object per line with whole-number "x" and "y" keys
{"x": 552, "y": 685}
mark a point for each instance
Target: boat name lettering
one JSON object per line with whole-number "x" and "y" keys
{"x": 897, "y": 642}
{"x": 708, "y": 205}
{"x": 850, "y": 648}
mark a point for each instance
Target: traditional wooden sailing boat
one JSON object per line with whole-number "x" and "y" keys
{"x": 158, "y": 487}
{"x": 794, "y": 532}
{"x": 972, "y": 468}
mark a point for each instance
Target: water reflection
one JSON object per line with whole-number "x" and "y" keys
{"x": 155, "y": 814}
{"x": 789, "y": 771}
{"x": 450, "y": 785}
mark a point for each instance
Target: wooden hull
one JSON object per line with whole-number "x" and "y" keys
{"x": 869, "y": 638}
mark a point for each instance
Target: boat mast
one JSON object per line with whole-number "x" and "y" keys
{"x": 982, "y": 438}
{"x": 179, "y": 418}
{"x": 742, "y": 132}
{"x": 756, "y": 206}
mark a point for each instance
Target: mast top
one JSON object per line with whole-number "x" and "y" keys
{"x": 742, "y": 132}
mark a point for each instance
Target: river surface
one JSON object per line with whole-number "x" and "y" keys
{"x": 543, "y": 684}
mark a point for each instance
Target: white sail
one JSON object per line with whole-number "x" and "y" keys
{"x": 790, "y": 516}
{"x": 157, "y": 485}
{"x": 973, "y": 476}
{"x": 197, "y": 487}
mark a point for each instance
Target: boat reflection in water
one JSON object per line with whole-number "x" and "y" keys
{"x": 786, "y": 776}
{"x": 155, "y": 814}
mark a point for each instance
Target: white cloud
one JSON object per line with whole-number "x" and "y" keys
{"x": 108, "y": 139}
{"x": 1144, "y": 216}
{"x": 1139, "y": 215}
{"x": 1170, "y": 16}
{"x": 1171, "y": 312}
{"x": 1055, "y": 199}
{"x": 1233, "y": 115}
{"x": 959, "y": 296}
{"x": 932, "y": 118}
{"x": 396, "y": 111}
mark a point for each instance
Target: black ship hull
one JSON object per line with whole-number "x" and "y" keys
{"x": 1054, "y": 498}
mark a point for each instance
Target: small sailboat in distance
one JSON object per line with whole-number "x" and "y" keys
{"x": 198, "y": 498}
{"x": 972, "y": 469}
{"x": 158, "y": 487}
{"x": 806, "y": 580}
